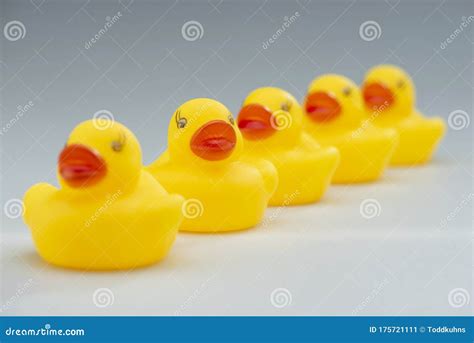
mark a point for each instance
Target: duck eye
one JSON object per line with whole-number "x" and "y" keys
{"x": 400, "y": 84}
{"x": 286, "y": 106}
{"x": 117, "y": 146}
{"x": 347, "y": 91}
{"x": 181, "y": 122}
{"x": 231, "y": 119}
{"x": 120, "y": 143}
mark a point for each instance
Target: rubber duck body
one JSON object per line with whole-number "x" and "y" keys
{"x": 389, "y": 96}
{"x": 108, "y": 212}
{"x": 271, "y": 123}
{"x": 202, "y": 162}
{"x": 334, "y": 115}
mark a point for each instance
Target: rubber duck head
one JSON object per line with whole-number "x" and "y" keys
{"x": 388, "y": 89}
{"x": 335, "y": 101}
{"x": 272, "y": 116}
{"x": 100, "y": 156}
{"x": 203, "y": 130}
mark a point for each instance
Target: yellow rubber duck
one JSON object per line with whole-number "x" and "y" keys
{"x": 389, "y": 96}
{"x": 335, "y": 116}
{"x": 271, "y": 122}
{"x": 109, "y": 213}
{"x": 203, "y": 163}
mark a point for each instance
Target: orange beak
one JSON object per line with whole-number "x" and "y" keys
{"x": 377, "y": 95}
{"x": 255, "y": 122}
{"x": 214, "y": 141}
{"x": 80, "y": 166}
{"x": 322, "y": 107}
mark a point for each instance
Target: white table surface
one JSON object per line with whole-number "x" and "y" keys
{"x": 330, "y": 260}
